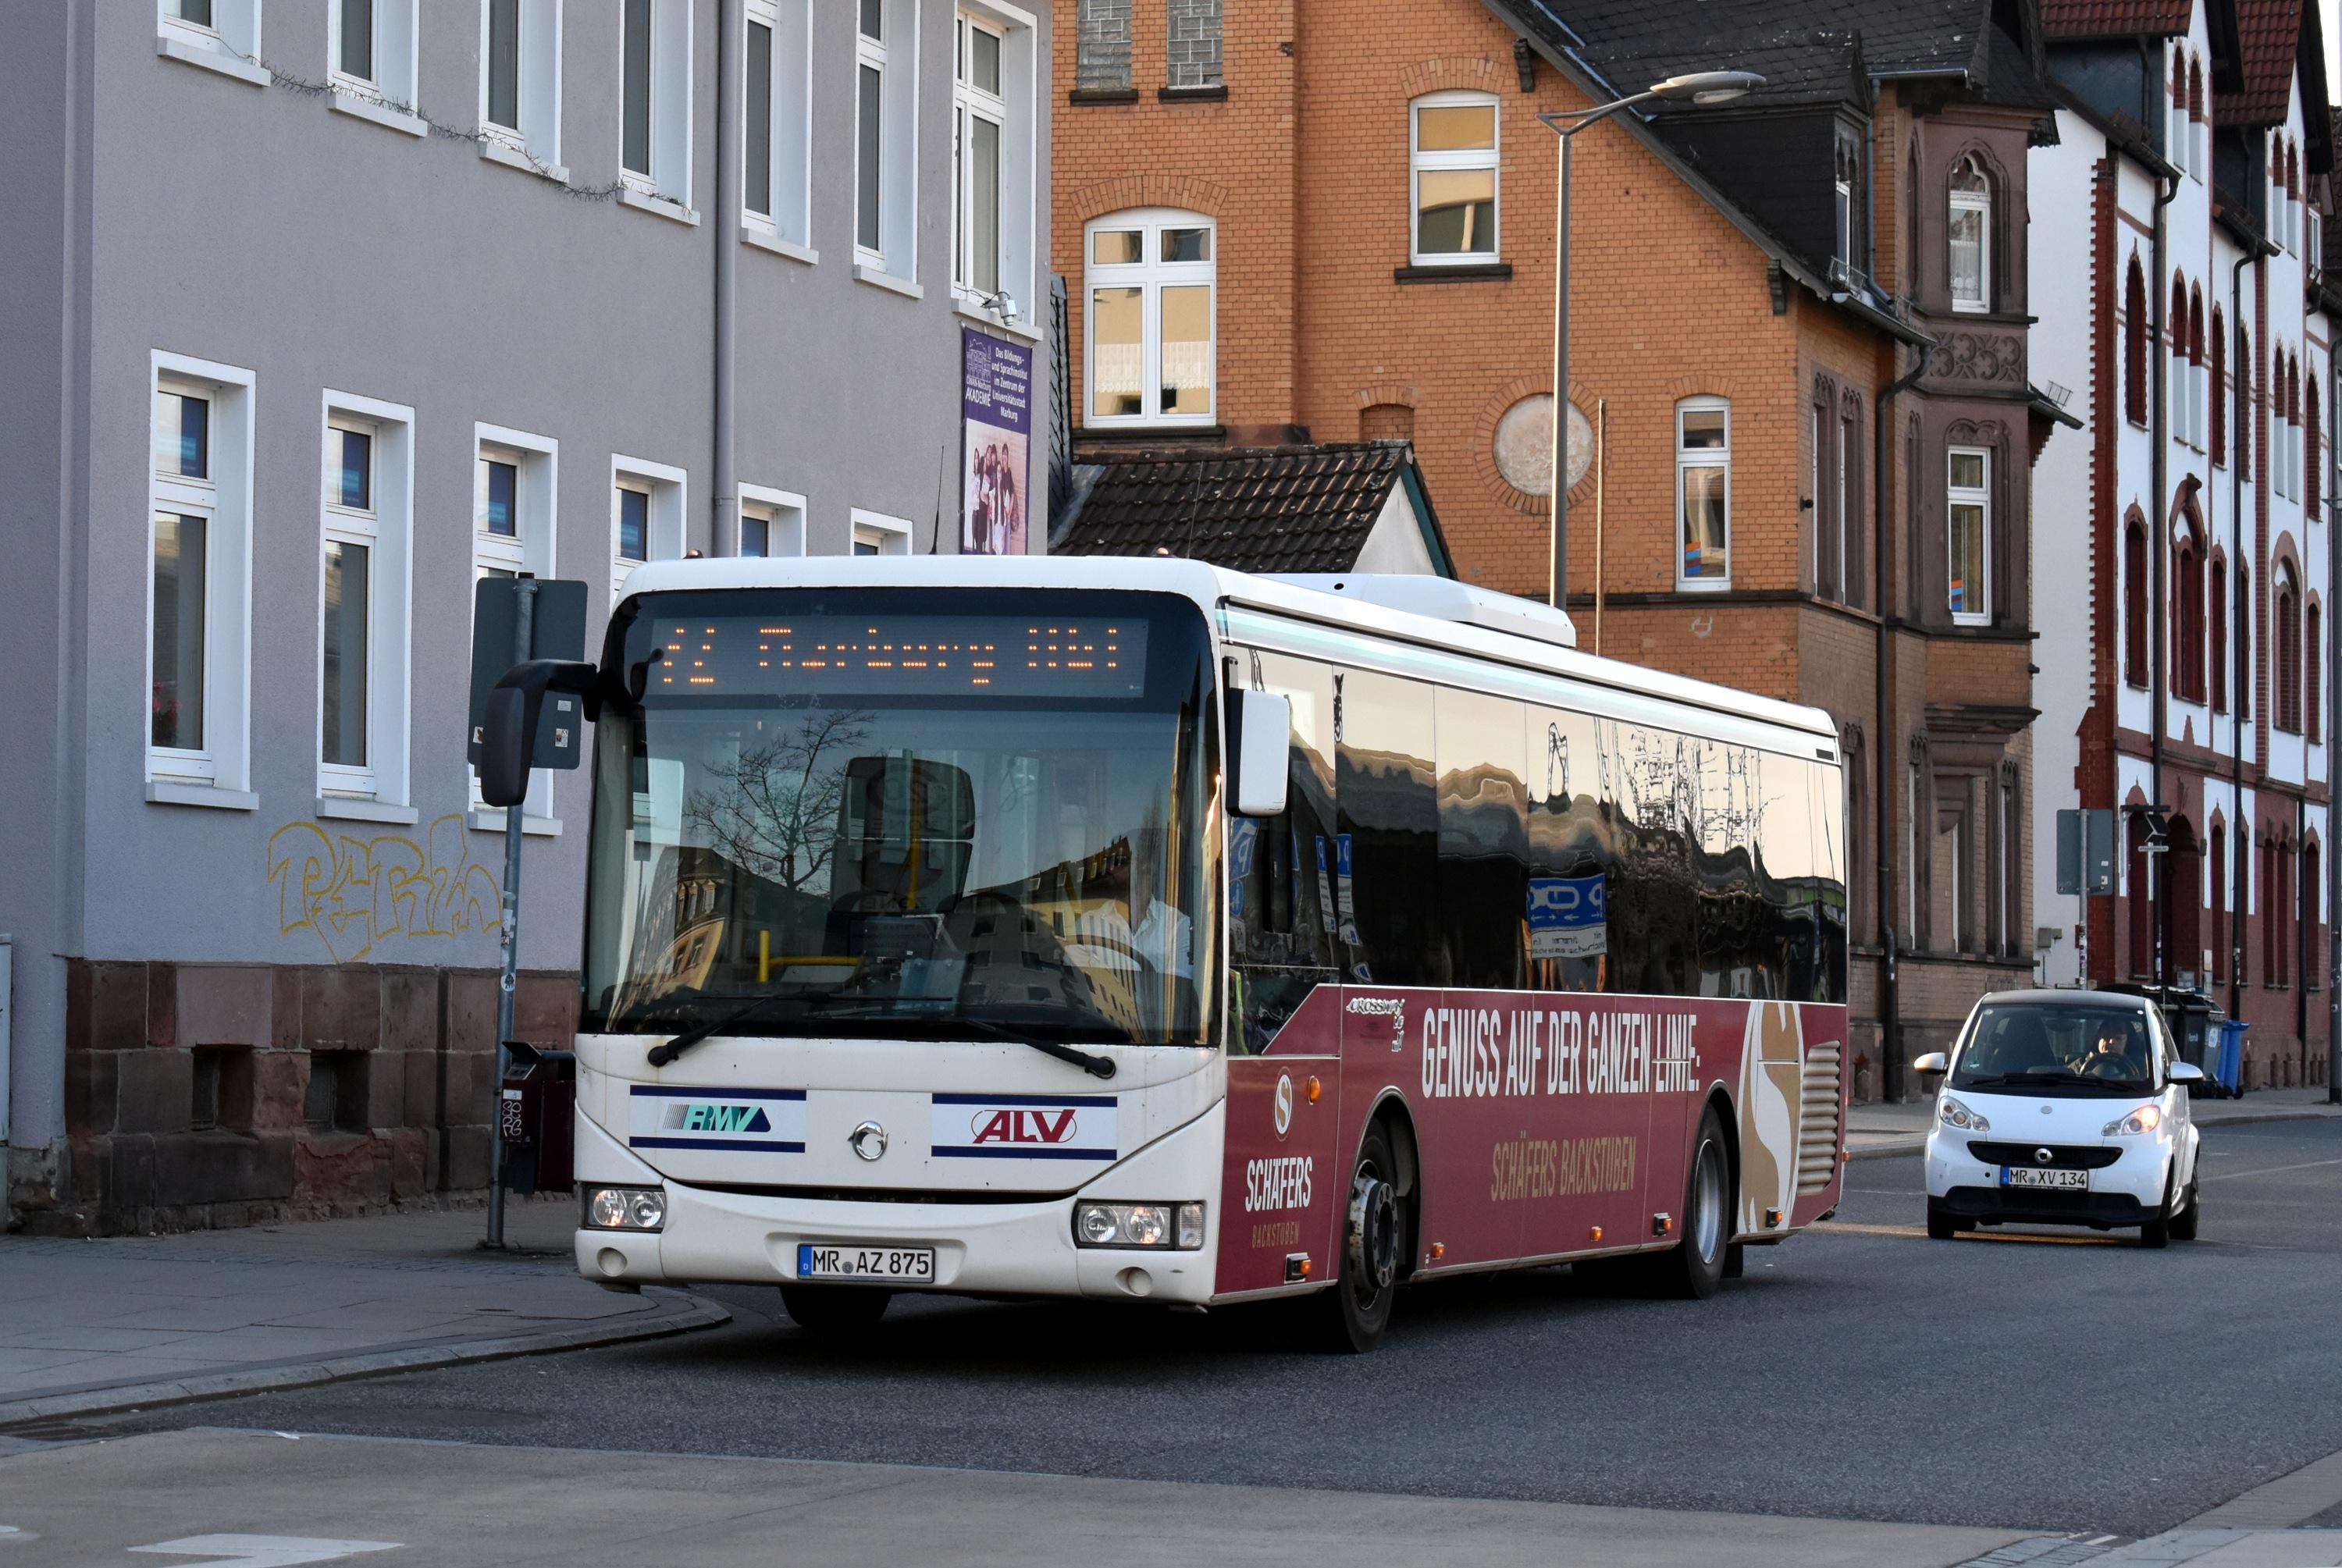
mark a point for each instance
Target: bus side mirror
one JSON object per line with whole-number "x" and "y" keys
{"x": 508, "y": 723}
{"x": 1260, "y": 729}
{"x": 1933, "y": 1063}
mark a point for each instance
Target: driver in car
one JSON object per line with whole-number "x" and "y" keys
{"x": 2111, "y": 1057}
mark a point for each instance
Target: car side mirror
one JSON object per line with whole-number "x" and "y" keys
{"x": 1260, "y": 726}
{"x": 1933, "y": 1064}
{"x": 2186, "y": 1074}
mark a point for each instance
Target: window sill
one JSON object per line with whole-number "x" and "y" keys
{"x": 344, "y": 102}
{"x": 1721, "y": 585}
{"x": 1216, "y": 93}
{"x": 357, "y": 808}
{"x": 512, "y": 157}
{"x": 1454, "y": 271}
{"x": 211, "y": 58}
{"x": 175, "y": 792}
{"x": 1103, "y": 96}
{"x": 657, "y": 205}
{"x": 1139, "y": 435}
{"x": 865, "y": 273}
{"x": 985, "y": 318}
{"x": 491, "y": 819}
{"x": 764, "y": 240}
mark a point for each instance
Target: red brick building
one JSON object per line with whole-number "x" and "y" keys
{"x": 1346, "y": 231}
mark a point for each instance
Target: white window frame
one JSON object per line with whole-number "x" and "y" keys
{"x": 218, "y": 773}
{"x": 1149, "y": 277}
{"x": 1021, "y": 80}
{"x": 1980, "y": 497}
{"x": 1705, "y": 457}
{"x": 782, "y": 513}
{"x": 787, "y": 130}
{"x": 971, "y": 102}
{"x": 667, "y": 182}
{"x": 534, "y": 144}
{"x": 377, "y": 790}
{"x": 1981, "y": 204}
{"x": 1490, "y": 158}
{"x": 895, "y": 57}
{"x": 537, "y": 503}
{"x": 1842, "y": 223}
{"x": 663, "y": 529}
{"x": 388, "y": 96}
{"x": 1849, "y": 505}
{"x": 891, "y": 534}
{"x": 230, "y": 45}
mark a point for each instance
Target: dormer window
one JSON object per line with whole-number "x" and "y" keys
{"x": 1847, "y": 235}
{"x": 1970, "y": 232}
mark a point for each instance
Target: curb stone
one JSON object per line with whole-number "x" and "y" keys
{"x": 687, "y": 1316}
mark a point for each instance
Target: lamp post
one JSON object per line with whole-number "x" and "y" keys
{"x": 1700, "y": 88}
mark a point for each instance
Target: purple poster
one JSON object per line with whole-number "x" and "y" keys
{"x": 996, "y": 413}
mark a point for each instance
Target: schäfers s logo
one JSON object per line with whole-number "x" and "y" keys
{"x": 1284, "y": 1105}
{"x": 1051, "y": 1125}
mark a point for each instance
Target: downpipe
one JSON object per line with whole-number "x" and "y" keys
{"x": 1890, "y": 1009}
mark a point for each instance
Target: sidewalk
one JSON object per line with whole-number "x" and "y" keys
{"x": 88, "y": 1327}
{"x": 1883, "y": 1132}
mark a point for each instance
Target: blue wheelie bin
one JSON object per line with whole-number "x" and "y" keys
{"x": 2229, "y": 1070}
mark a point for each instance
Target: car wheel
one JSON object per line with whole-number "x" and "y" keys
{"x": 835, "y": 1308}
{"x": 2184, "y": 1222}
{"x": 1356, "y": 1311}
{"x": 1691, "y": 1268}
{"x": 2156, "y": 1231}
{"x": 1941, "y": 1226}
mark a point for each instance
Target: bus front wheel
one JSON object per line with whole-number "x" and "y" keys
{"x": 1356, "y": 1310}
{"x": 832, "y": 1308}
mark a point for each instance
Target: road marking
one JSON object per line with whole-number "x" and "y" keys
{"x": 266, "y": 1550}
{"x": 1970, "y": 1235}
{"x": 2272, "y": 1170}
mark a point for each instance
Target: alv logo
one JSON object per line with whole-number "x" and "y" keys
{"x": 1012, "y": 1127}
{"x": 1024, "y": 1126}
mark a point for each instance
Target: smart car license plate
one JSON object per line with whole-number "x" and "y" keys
{"x": 905, "y": 1265}
{"x": 2022, "y": 1176}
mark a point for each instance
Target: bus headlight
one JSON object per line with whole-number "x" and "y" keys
{"x": 625, "y": 1208}
{"x": 1177, "y": 1227}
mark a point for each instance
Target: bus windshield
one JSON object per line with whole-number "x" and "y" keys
{"x": 905, "y": 812}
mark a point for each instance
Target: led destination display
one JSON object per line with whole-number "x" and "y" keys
{"x": 884, "y": 655}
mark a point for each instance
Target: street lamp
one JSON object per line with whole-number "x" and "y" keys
{"x": 1698, "y": 88}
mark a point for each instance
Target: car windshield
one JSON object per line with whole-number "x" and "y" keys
{"x": 2057, "y": 1048}
{"x": 905, "y": 812}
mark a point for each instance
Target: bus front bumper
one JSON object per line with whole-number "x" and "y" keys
{"x": 1024, "y": 1249}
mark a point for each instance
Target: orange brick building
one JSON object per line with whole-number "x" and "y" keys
{"x": 1282, "y": 221}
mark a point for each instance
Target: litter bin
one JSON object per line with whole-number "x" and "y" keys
{"x": 537, "y": 1108}
{"x": 2228, "y": 1070}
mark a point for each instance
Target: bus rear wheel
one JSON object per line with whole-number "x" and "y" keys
{"x": 1694, "y": 1265}
{"x": 835, "y": 1308}
{"x": 1356, "y": 1311}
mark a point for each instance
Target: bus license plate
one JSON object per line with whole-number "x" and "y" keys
{"x": 907, "y": 1265}
{"x": 2019, "y": 1176}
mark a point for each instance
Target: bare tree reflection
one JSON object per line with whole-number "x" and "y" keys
{"x": 773, "y": 810}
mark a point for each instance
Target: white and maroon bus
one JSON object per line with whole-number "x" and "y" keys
{"x": 1141, "y": 931}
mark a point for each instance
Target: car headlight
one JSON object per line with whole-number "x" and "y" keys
{"x": 1956, "y": 1114}
{"x": 1174, "y": 1227}
{"x": 2146, "y": 1119}
{"x": 625, "y": 1208}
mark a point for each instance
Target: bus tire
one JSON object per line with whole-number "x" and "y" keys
{"x": 1354, "y": 1313}
{"x": 1692, "y": 1267}
{"x": 835, "y": 1308}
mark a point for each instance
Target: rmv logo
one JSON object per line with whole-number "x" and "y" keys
{"x": 704, "y": 1118}
{"x": 1024, "y": 1126}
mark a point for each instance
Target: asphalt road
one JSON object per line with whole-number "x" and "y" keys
{"x": 1861, "y": 1372}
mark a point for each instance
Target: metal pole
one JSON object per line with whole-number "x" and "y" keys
{"x": 1557, "y": 566}
{"x": 723, "y": 529}
{"x": 1601, "y": 455}
{"x": 524, "y": 634}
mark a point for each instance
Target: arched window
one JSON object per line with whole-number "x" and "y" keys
{"x": 2310, "y": 665}
{"x": 2216, "y": 897}
{"x": 2135, "y": 344}
{"x": 1453, "y": 165}
{"x": 2243, "y": 402}
{"x": 2138, "y": 897}
{"x": 1967, "y": 516}
{"x": 2199, "y": 398}
{"x": 2244, "y": 642}
{"x": 2187, "y": 635}
{"x": 1971, "y": 236}
{"x": 1149, "y": 318}
{"x": 2135, "y": 604}
{"x": 2313, "y": 461}
{"x": 2218, "y": 347}
{"x": 2199, "y": 131}
{"x": 2285, "y": 660}
{"x": 2175, "y": 338}
{"x": 2216, "y": 602}
{"x": 2313, "y": 903}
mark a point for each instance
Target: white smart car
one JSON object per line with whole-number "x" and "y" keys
{"x": 2063, "y": 1108}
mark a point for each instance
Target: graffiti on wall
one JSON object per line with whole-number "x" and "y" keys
{"x": 357, "y": 893}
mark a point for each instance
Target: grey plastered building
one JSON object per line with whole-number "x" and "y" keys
{"x": 317, "y": 312}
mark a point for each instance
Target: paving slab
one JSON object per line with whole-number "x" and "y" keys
{"x": 91, "y": 1327}
{"x": 459, "y": 1505}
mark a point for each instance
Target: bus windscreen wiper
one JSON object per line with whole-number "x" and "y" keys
{"x": 1097, "y": 1066}
{"x": 667, "y": 1051}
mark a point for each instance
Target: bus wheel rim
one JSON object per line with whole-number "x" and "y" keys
{"x": 1374, "y": 1234}
{"x": 1708, "y": 1225}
